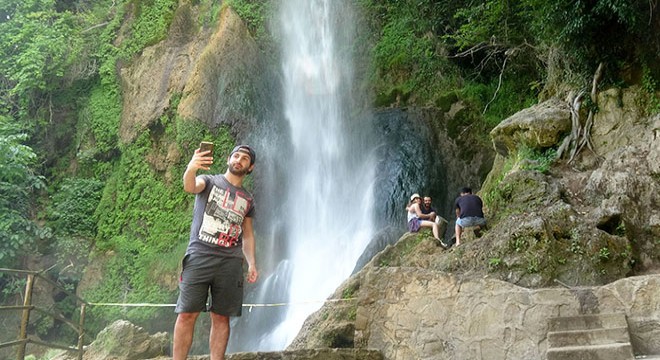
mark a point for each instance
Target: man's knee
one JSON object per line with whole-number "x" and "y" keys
{"x": 187, "y": 318}
{"x": 218, "y": 319}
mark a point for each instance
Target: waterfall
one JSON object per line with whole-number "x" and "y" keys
{"x": 325, "y": 199}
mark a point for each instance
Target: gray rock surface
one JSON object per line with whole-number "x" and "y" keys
{"x": 415, "y": 313}
{"x": 123, "y": 340}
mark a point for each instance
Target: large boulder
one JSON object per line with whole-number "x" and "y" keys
{"x": 538, "y": 127}
{"x": 123, "y": 340}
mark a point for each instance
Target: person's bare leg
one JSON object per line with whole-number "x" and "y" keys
{"x": 435, "y": 228}
{"x": 458, "y": 230}
{"x": 183, "y": 335}
{"x": 436, "y": 231}
{"x": 219, "y": 336}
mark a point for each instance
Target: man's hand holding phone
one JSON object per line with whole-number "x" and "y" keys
{"x": 203, "y": 157}
{"x": 205, "y": 146}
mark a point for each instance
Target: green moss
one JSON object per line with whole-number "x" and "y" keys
{"x": 352, "y": 313}
{"x": 254, "y": 13}
{"x": 350, "y": 291}
{"x": 458, "y": 123}
{"x": 398, "y": 95}
{"x": 397, "y": 255}
{"x": 497, "y": 194}
{"x": 446, "y": 100}
{"x": 535, "y": 159}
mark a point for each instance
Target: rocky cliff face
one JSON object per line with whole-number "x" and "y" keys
{"x": 567, "y": 228}
{"x": 585, "y": 221}
{"x": 202, "y": 74}
{"x": 416, "y": 312}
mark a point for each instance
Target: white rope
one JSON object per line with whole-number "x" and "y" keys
{"x": 244, "y": 305}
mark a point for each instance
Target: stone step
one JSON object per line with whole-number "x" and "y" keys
{"x": 301, "y": 354}
{"x": 585, "y": 322}
{"x": 320, "y": 354}
{"x": 592, "y": 352}
{"x": 588, "y": 337}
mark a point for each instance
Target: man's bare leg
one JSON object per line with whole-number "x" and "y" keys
{"x": 183, "y": 335}
{"x": 458, "y": 230}
{"x": 219, "y": 336}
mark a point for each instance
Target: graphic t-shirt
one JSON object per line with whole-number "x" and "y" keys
{"x": 220, "y": 209}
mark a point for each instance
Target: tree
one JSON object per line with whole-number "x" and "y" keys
{"x": 18, "y": 184}
{"x": 39, "y": 44}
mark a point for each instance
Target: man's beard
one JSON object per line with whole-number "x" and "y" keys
{"x": 237, "y": 172}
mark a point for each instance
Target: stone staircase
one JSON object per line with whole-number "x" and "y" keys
{"x": 589, "y": 337}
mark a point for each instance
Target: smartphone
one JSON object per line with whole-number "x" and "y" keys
{"x": 205, "y": 146}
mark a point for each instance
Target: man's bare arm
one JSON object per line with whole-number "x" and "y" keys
{"x": 248, "y": 250}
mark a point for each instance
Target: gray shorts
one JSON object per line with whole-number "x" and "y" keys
{"x": 471, "y": 221}
{"x": 222, "y": 276}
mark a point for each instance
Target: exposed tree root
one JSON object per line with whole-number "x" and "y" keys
{"x": 580, "y": 133}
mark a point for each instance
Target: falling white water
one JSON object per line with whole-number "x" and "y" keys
{"x": 330, "y": 172}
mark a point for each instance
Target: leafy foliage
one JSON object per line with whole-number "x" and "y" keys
{"x": 18, "y": 185}
{"x": 408, "y": 55}
{"x": 253, "y": 12}
{"x": 73, "y": 205}
{"x": 139, "y": 205}
{"x": 39, "y": 44}
{"x": 536, "y": 159}
{"x": 526, "y": 47}
{"x": 650, "y": 86}
{"x": 586, "y": 31}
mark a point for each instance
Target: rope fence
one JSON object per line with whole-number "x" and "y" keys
{"x": 244, "y": 305}
{"x": 79, "y": 327}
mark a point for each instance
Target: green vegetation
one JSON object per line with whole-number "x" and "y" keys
{"x": 350, "y": 291}
{"x": 503, "y": 55}
{"x": 18, "y": 186}
{"x": 494, "y": 263}
{"x": 650, "y": 86}
{"x": 254, "y": 13}
{"x": 68, "y": 185}
{"x": 536, "y": 159}
{"x": 60, "y": 85}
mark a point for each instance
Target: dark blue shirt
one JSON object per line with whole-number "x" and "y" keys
{"x": 470, "y": 206}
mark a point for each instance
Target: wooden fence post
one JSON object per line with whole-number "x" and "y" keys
{"x": 81, "y": 331}
{"x": 25, "y": 319}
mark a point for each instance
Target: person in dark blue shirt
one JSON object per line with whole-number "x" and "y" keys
{"x": 469, "y": 212}
{"x": 428, "y": 211}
